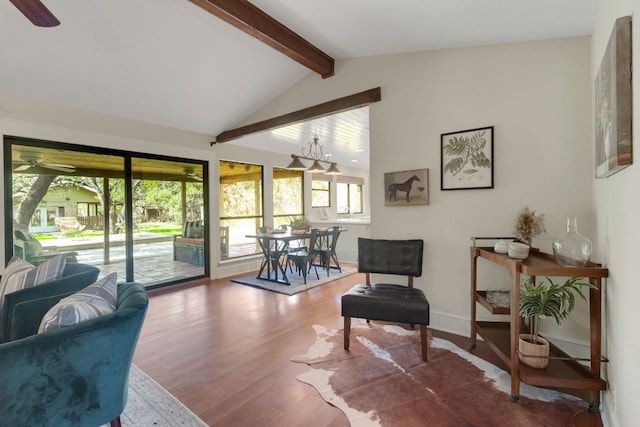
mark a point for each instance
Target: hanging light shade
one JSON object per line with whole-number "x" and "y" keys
{"x": 333, "y": 170}
{"x": 315, "y": 168}
{"x": 296, "y": 164}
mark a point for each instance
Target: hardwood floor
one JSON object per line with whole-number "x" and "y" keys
{"x": 223, "y": 349}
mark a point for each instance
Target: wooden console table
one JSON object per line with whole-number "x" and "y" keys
{"x": 563, "y": 371}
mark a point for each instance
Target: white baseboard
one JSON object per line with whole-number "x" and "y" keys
{"x": 461, "y": 325}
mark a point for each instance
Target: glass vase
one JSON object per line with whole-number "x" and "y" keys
{"x": 572, "y": 249}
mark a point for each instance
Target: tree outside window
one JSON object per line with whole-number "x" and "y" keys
{"x": 288, "y": 200}
{"x": 320, "y": 192}
{"x": 241, "y": 195}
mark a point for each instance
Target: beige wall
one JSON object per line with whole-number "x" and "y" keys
{"x": 537, "y": 95}
{"x": 616, "y": 205}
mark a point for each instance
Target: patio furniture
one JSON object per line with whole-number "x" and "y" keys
{"x": 189, "y": 247}
{"x": 383, "y": 301}
{"x": 77, "y": 375}
{"x": 69, "y": 224}
{"x": 31, "y": 250}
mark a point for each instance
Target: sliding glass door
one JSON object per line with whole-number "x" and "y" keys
{"x": 127, "y": 212}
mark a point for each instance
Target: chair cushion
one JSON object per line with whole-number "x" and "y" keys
{"x": 19, "y": 274}
{"x": 386, "y": 302}
{"x": 95, "y": 300}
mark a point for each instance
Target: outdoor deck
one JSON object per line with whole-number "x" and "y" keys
{"x": 153, "y": 259}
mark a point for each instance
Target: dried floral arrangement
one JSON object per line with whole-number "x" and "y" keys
{"x": 528, "y": 225}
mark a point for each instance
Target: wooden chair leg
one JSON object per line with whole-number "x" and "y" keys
{"x": 347, "y": 332}
{"x": 115, "y": 422}
{"x": 423, "y": 341}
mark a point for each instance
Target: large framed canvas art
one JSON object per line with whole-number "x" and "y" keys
{"x": 613, "y": 103}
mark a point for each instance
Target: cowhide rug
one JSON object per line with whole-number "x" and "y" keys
{"x": 382, "y": 381}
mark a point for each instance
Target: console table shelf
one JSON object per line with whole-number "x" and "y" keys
{"x": 563, "y": 371}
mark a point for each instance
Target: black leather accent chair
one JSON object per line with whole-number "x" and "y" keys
{"x": 384, "y": 301}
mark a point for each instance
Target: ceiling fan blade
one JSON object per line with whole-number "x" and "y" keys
{"x": 36, "y": 12}
{"x": 61, "y": 168}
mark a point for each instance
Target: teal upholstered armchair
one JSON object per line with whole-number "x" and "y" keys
{"x": 76, "y": 375}
{"x": 15, "y": 317}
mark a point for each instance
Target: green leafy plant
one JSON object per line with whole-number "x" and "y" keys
{"x": 299, "y": 223}
{"x": 466, "y": 150}
{"x": 549, "y": 299}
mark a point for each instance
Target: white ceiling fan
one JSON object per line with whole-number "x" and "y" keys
{"x": 30, "y": 160}
{"x": 190, "y": 173}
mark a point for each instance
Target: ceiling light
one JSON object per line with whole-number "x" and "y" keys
{"x": 316, "y": 153}
{"x": 316, "y": 167}
{"x": 296, "y": 164}
{"x": 333, "y": 170}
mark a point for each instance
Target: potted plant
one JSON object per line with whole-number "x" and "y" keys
{"x": 299, "y": 223}
{"x": 538, "y": 301}
{"x": 528, "y": 225}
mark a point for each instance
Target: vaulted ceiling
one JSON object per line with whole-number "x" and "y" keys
{"x": 171, "y": 62}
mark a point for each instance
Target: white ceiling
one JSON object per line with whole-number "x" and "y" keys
{"x": 172, "y": 63}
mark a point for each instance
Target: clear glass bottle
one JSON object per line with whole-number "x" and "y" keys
{"x": 572, "y": 249}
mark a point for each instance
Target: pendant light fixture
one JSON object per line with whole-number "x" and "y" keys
{"x": 315, "y": 153}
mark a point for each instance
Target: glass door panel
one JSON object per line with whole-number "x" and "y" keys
{"x": 140, "y": 217}
{"x": 168, "y": 220}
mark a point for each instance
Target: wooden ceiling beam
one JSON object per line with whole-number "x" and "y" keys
{"x": 330, "y": 107}
{"x": 253, "y": 21}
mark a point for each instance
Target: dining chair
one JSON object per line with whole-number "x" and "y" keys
{"x": 302, "y": 258}
{"x": 327, "y": 252}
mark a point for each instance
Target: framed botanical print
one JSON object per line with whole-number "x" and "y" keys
{"x": 466, "y": 159}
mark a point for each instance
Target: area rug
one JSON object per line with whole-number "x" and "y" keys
{"x": 297, "y": 283}
{"x": 149, "y": 404}
{"x": 382, "y": 381}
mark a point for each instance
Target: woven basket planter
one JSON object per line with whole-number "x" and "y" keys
{"x": 540, "y": 351}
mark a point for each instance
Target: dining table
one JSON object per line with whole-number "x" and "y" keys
{"x": 275, "y": 246}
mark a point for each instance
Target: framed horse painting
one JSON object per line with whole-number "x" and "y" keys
{"x": 406, "y": 188}
{"x": 467, "y": 159}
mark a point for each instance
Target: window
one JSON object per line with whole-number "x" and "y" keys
{"x": 349, "y": 194}
{"x": 240, "y": 207}
{"x": 288, "y": 190}
{"x": 94, "y": 205}
{"x": 320, "y": 191}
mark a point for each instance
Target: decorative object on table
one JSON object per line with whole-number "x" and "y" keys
{"x": 501, "y": 246}
{"x": 613, "y": 103}
{"x": 538, "y": 301}
{"x": 299, "y": 223}
{"x": 406, "y": 188}
{"x": 572, "y": 249}
{"x": 528, "y": 225}
{"x": 518, "y": 250}
{"x": 466, "y": 159}
{"x": 499, "y": 297}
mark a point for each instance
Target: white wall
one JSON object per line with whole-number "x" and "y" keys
{"x": 537, "y": 95}
{"x": 616, "y": 207}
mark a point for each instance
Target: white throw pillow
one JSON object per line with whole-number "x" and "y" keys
{"x": 19, "y": 274}
{"x": 95, "y": 300}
